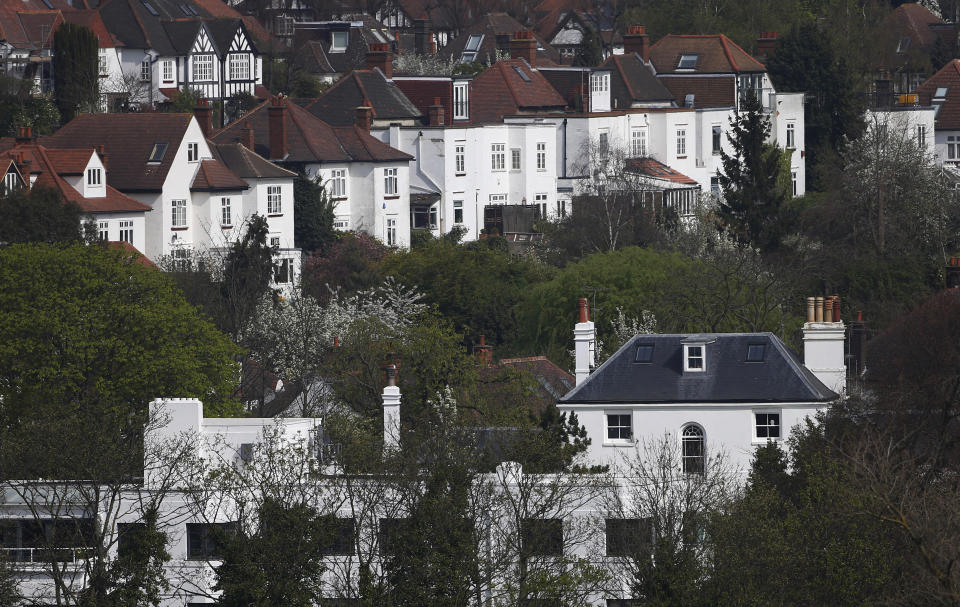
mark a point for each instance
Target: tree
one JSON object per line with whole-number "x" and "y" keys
{"x": 313, "y": 231}
{"x": 660, "y": 549}
{"x": 805, "y": 61}
{"x": 588, "y": 51}
{"x": 350, "y": 264}
{"x": 91, "y": 334}
{"x": 247, "y": 273}
{"x": 18, "y": 107}
{"x": 754, "y": 196}
{"x": 76, "y": 64}
{"x": 9, "y": 594}
{"x": 40, "y": 215}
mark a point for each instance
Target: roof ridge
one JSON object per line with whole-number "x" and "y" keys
{"x": 623, "y": 75}
{"x": 726, "y": 51}
{"x": 143, "y": 29}
{"x": 363, "y": 92}
{"x": 294, "y": 118}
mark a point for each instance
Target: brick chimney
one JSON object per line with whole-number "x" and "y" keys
{"x": 391, "y": 410}
{"x": 380, "y": 56}
{"x": 24, "y": 134}
{"x": 637, "y": 41}
{"x": 584, "y": 342}
{"x": 823, "y": 342}
{"x": 766, "y": 44}
{"x": 423, "y": 36}
{"x": 524, "y": 46}
{"x": 277, "y": 115}
{"x": 204, "y": 115}
{"x": 248, "y": 139}
{"x": 365, "y": 115}
{"x": 436, "y": 113}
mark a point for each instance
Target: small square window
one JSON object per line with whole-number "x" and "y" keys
{"x": 619, "y": 427}
{"x": 755, "y": 353}
{"x": 687, "y": 62}
{"x": 693, "y": 359}
{"x": 767, "y": 425}
{"x": 644, "y": 353}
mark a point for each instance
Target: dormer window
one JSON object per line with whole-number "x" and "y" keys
{"x": 338, "y": 41}
{"x": 461, "y": 109}
{"x": 94, "y": 177}
{"x": 688, "y": 61}
{"x": 694, "y": 357}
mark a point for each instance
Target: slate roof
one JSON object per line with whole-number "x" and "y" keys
{"x": 311, "y": 42}
{"x": 441, "y": 16}
{"x": 337, "y": 106}
{"x": 422, "y": 92}
{"x": 247, "y": 164}
{"x": 497, "y": 29}
{"x": 728, "y": 378}
{"x": 948, "y": 114}
{"x": 309, "y": 139}
{"x": 631, "y": 81}
{"x": 715, "y": 91}
{"x": 509, "y": 87}
{"x": 128, "y": 140}
{"x": 717, "y": 54}
{"x": 50, "y": 165}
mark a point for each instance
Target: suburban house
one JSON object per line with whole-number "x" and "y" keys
{"x": 330, "y": 49}
{"x": 567, "y": 34}
{"x": 440, "y": 22}
{"x": 163, "y": 47}
{"x": 81, "y": 177}
{"x": 199, "y": 203}
{"x": 368, "y": 180}
{"x": 492, "y": 37}
{"x": 26, "y": 38}
{"x": 911, "y": 36}
{"x": 709, "y": 392}
{"x": 941, "y": 92}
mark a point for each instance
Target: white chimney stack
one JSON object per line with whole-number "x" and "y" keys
{"x": 823, "y": 342}
{"x": 584, "y": 342}
{"x": 391, "y": 410}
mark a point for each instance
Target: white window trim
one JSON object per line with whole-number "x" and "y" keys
{"x": 686, "y": 358}
{"x": 207, "y": 60}
{"x": 617, "y": 442}
{"x": 274, "y": 200}
{"x": 753, "y": 427}
{"x": 461, "y": 97}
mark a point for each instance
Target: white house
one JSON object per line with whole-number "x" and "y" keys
{"x": 723, "y": 392}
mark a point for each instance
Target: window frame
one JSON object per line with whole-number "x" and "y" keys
{"x": 391, "y": 182}
{"x": 391, "y": 231}
{"x": 547, "y": 543}
{"x": 339, "y": 48}
{"x": 204, "y": 61}
{"x": 498, "y": 156}
{"x": 515, "y": 159}
{"x": 626, "y": 537}
{"x": 681, "y": 135}
{"x": 638, "y": 142}
{"x": 103, "y": 230}
{"x": 193, "y": 151}
{"x": 126, "y": 229}
{"x": 461, "y": 100}
{"x": 541, "y": 155}
{"x": 765, "y": 437}
{"x": 178, "y": 216}
{"x": 338, "y": 184}
{"x": 689, "y": 356}
{"x": 238, "y": 66}
{"x": 94, "y": 177}
{"x": 167, "y": 71}
{"x": 458, "y": 212}
{"x": 716, "y": 132}
{"x": 208, "y": 550}
{"x": 693, "y": 462}
{"x": 274, "y": 200}
{"x": 146, "y": 70}
{"x": 688, "y": 61}
{"x": 460, "y": 159}
{"x": 226, "y": 212}
{"x": 609, "y": 426}
{"x": 791, "y": 129}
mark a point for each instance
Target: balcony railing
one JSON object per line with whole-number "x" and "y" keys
{"x": 44, "y": 555}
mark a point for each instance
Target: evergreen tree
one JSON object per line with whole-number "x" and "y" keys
{"x": 753, "y": 192}
{"x": 313, "y": 231}
{"x": 39, "y": 215}
{"x": 804, "y": 61}
{"x": 76, "y": 70}
{"x": 9, "y": 593}
{"x": 247, "y": 272}
{"x": 588, "y": 53}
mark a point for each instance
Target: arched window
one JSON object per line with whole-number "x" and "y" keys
{"x": 693, "y": 449}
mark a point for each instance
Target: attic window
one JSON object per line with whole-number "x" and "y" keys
{"x": 156, "y": 154}
{"x": 941, "y": 92}
{"x": 338, "y": 42}
{"x": 644, "y": 353}
{"x": 470, "y": 50}
{"x": 694, "y": 357}
{"x": 48, "y": 4}
{"x": 523, "y": 74}
{"x": 755, "y": 353}
{"x": 903, "y": 45}
{"x": 687, "y": 61}
{"x": 150, "y": 8}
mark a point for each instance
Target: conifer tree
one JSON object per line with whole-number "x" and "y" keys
{"x": 588, "y": 53}
{"x": 75, "y": 69}
{"x": 753, "y": 191}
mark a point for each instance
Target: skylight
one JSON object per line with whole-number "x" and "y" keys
{"x": 904, "y": 45}
{"x": 473, "y": 42}
{"x": 644, "y": 353}
{"x": 150, "y": 8}
{"x": 183, "y": 9}
{"x": 687, "y": 61}
{"x": 941, "y": 92}
{"x": 523, "y": 74}
{"x": 156, "y": 154}
{"x": 338, "y": 42}
{"x": 47, "y": 3}
{"x": 755, "y": 353}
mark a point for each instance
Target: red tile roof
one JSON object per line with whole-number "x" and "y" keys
{"x": 131, "y": 251}
{"x": 717, "y": 54}
{"x": 509, "y": 87}
{"x": 128, "y": 140}
{"x": 658, "y": 170}
{"x": 212, "y": 176}
{"x": 716, "y": 91}
{"x": 46, "y": 164}
{"x": 92, "y": 20}
{"x": 309, "y": 139}
{"x": 948, "y": 116}
{"x": 913, "y": 20}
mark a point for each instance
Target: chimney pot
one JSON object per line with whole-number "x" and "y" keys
{"x": 524, "y": 46}
{"x": 810, "y": 309}
{"x": 364, "y": 116}
{"x": 583, "y": 308}
{"x": 637, "y": 41}
{"x": 836, "y": 308}
{"x": 828, "y": 310}
{"x": 380, "y": 56}
{"x": 390, "y": 372}
{"x": 818, "y": 311}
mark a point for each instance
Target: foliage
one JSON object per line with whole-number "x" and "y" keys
{"x": 247, "y": 272}
{"x": 472, "y": 286}
{"x": 805, "y": 61}
{"x": 238, "y": 104}
{"x": 350, "y": 264}
{"x": 753, "y": 203}
{"x": 313, "y": 231}
{"x": 278, "y": 562}
{"x": 76, "y": 64}
{"x": 184, "y": 101}
{"x": 20, "y": 108}
{"x": 39, "y": 215}
{"x": 137, "y": 576}
{"x": 425, "y": 65}
{"x": 588, "y": 52}
{"x": 92, "y": 335}
{"x": 9, "y": 593}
